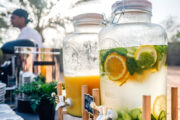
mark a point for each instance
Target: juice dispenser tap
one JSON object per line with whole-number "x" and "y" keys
{"x": 61, "y": 101}
{"x": 104, "y": 113}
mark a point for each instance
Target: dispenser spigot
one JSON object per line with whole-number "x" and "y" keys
{"x": 104, "y": 113}
{"x": 61, "y": 101}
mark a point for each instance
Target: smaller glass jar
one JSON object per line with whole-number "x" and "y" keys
{"x": 80, "y": 58}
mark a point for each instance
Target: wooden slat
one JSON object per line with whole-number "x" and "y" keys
{"x": 84, "y": 90}
{"x": 59, "y": 92}
{"x": 96, "y": 96}
{"x": 174, "y": 103}
{"x": 146, "y": 115}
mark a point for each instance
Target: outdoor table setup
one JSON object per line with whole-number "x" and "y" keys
{"x": 113, "y": 69}
{"x": 28, "y": 63}
{"x": 116, "y": 69}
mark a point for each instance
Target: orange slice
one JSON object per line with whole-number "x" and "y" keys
{"x": 115, "y": 66}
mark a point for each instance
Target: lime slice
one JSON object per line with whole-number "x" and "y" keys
{"x": 159, "y": 105}
{"x": 145, "y": 56}
{"x": 162, "y": 115}
{"x": 162, "y": 62}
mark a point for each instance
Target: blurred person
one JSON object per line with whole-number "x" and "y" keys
{"x": 19, "y": 19}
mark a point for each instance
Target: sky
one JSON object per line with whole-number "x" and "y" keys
{"x": 161, "y": 8}
{"x": 164, "y": 8}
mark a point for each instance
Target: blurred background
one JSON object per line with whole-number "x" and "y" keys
{"x": 53, "y": 19}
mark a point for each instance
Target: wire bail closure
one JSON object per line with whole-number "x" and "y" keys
{"x": 120, "y": 14}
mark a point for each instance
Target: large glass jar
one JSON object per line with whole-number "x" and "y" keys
{"x": 133, "y": 55}
{"x": 80, "y": 58}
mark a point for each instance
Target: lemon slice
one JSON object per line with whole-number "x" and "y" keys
{"x": 123, "y": 79}
{"x": 115, "y": 66}
{"x": 145, "y": 56}
{"x": 161, "y": 63}
{"x": 159, "y": 105}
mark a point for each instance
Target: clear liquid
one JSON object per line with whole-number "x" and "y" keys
{"x": 123, "y": 84}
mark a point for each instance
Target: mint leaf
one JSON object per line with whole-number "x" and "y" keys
{"x": 132, "y": 66}
{"x": 161, "y": 48}
{"x": 120, "y": 51}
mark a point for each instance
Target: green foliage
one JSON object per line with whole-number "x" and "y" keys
{"x": 3, "y": 23}
{"x": 132, "y": 66}
{"x": 146, "y": 60}
{"x": 162, "y": 115}
{"x": 39, "y": 10}
{"x": 161, "y": 50}
{"x": 40, "y": 78}
{"x": 178, "y": 35}
{"x": 136, "y": 114}
{"x": 123, "y": 115}
{"x": 38, "y": 90}
{"x": 131, "y": 51}
{"x": 1, "y": 54}
{"x": 152, "y": 117}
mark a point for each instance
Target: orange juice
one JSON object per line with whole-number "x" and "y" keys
{"x": 43, "y": 70}
{"x": 73, "y": 90}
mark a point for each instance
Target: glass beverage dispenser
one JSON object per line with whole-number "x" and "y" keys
{"x": 133, "y": 55}
{"x": 80, "y": 59}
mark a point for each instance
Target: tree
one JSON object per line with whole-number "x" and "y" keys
{"x": 172, "y": 27}
{"x": 40, "y": 11}
{"x": 3, "y": 20}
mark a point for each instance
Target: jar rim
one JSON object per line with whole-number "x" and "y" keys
{"x": 88, "y": 18}
{"x": 132, "y": 5}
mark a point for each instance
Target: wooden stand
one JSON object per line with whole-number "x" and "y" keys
{"x": 96, "y": 96}
{"x": 146, "y": 108}
{"x": 174, "y": 103}
{"x": 84, "y": 90}
{"x": 59, "y": 92}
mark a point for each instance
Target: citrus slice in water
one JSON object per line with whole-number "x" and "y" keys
{"x": 115, "y": 66}
{"x": 159, "y": 105}
{"x": 162, "y": 62}
{"x": 145, "y": 56}
{"x": 122, "y": 80}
